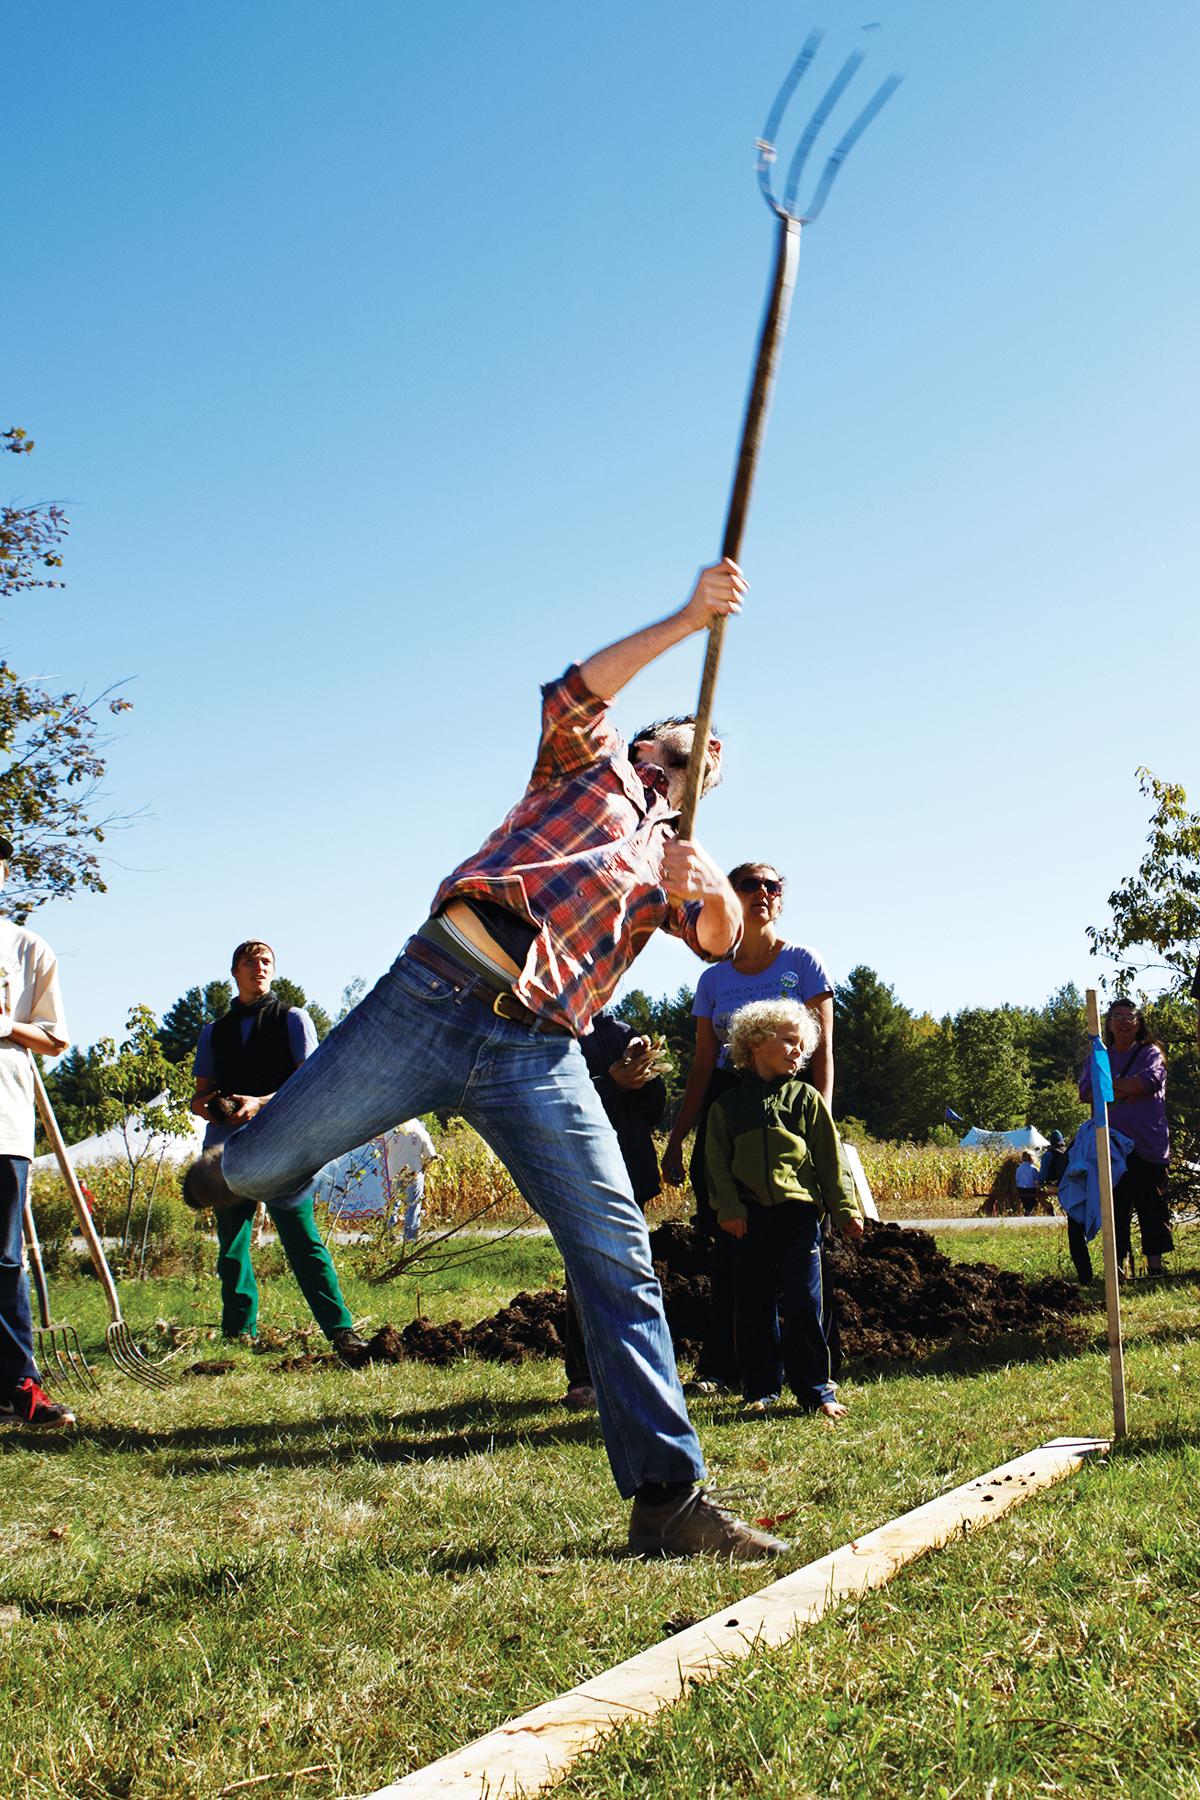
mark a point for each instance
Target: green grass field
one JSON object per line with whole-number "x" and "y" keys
{"x": 353, "y": 1574}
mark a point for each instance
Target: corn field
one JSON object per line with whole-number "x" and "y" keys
{"x": 922, "y": 1180}
{"x": 469, "y": 1185}
{"x": 907, "y": 1181}
{"x": 468, "y": 1180}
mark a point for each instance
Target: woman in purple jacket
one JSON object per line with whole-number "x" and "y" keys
{"x": 1140, "y": 1112}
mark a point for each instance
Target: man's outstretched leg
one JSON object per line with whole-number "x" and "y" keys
{"x": 402, "y": 1051}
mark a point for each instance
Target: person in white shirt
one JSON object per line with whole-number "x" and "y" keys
{"x": 31, "y": 1019}
{"x": 410, "y": 1150}
{"x": 1027, "y": 1181}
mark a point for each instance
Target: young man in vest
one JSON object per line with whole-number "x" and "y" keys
{"x": 481, "y": 1013}
{"x": 31, "y": 1019}
{"x": 246, "y": 1057}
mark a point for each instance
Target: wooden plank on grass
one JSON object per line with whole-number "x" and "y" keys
{"x": 534, "y": 1750}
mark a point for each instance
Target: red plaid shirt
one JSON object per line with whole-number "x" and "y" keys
{"x": 580, "y": 857}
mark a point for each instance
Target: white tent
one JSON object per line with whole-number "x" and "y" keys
{"x": 109, "y": 1146}
{"x": 1027, "y": 1138}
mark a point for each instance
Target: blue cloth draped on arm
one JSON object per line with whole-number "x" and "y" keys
{"x": 1079, "y": 1186}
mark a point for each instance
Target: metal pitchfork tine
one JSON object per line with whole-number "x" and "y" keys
{"x": 770, "y": 344}
{"x": 57, "y": 1344}
{"x": 125, "y": 1353}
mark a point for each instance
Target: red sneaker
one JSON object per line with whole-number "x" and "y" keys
{"x": 28, "y": 1405}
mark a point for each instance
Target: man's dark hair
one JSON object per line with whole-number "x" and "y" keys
{"x": 251, "y": 947}
{"x": 660, "y": 732}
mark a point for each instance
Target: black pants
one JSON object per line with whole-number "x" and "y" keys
{"x": 1142, "y": 1189}
{"x": 781, "y": 1252}
{"x": 16, "y": 1321}
{"x": 718, "y": 1357}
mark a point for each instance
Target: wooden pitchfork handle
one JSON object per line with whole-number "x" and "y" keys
{"x": 82, "y": 1213}
{"x": 37, "y": 1269}
{"x": 770, "y": 346}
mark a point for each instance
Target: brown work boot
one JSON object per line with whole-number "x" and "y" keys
{"x": 695, "y": 1525}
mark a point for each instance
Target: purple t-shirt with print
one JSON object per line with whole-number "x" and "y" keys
{"x": 796, "y": 974}
{"x": 1145, "y": 1118}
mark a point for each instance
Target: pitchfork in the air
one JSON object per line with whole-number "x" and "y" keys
{"x": 791, "y": 219}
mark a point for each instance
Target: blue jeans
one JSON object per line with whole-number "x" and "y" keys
{"x": 417, "y": 1043}
{"x": 16, "y": 1321}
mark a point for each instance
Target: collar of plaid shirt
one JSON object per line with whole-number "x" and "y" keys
{"x": 580, "y": 857}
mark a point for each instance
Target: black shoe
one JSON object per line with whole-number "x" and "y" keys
{"x": 28, "y": 1405}
{"x": 204, "y": 1185}
{"x": 351, "y": 1350}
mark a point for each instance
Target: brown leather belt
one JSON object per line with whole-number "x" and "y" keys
{"x": 502, "y": 1001}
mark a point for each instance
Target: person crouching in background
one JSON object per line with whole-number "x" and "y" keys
{"x": 1027, "y": 1181}
{"x": 775, "y": 1170}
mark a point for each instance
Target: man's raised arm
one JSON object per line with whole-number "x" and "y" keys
{"x": 718, "y": 591}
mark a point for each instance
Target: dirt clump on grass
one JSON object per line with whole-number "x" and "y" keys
{"x": 529, "y": 1326}
{"x": 897, "y": 1296}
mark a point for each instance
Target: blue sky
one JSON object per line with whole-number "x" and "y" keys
{"x": 391, "y": 357}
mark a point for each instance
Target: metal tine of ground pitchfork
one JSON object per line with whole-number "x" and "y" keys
{"x": 131, "y": 1360}
{"x": 54, "y": 1344}
{"x": 60, "y": 1344}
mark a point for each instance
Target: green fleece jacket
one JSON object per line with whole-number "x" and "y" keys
{"x": 772, "y": 1141}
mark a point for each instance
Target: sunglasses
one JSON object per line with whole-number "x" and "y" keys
{"x": 673, "y": 759}
{"x": 750, "y": 884}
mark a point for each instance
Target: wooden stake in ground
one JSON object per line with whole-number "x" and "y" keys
{"x": 535, "y": 1750}
{"x": 1102, "y": 1092}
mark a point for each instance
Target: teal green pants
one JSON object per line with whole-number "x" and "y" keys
{"x": 307, "y": 1255}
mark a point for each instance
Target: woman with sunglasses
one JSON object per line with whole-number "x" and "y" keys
{"x": 766, "y": 967}
{"x": 1140, "y": 1110}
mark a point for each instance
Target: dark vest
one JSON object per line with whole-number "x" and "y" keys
{"x": 263, "y": 1063}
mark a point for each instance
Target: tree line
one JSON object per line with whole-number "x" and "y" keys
{"x": 898, "y": 1072}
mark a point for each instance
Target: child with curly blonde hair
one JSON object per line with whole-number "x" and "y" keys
{"x": 775, "y": 1172}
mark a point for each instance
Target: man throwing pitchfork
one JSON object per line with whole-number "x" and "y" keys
{"x": 480, "y": 1014}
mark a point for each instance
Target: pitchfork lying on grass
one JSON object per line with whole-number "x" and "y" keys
{"x": 57, "y": 1350}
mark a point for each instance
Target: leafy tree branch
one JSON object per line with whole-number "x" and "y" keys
{"x": 1155, "y": 925}
{"x": 52, "y": 746}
